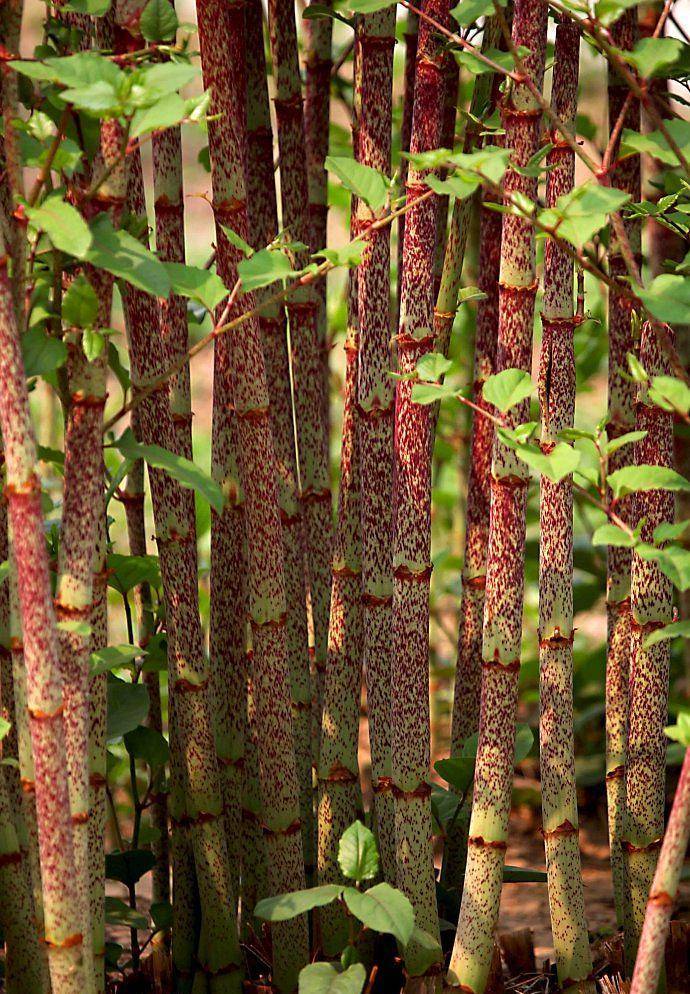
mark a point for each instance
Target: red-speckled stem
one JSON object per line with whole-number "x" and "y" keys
{"x": 375, "y": 40}
{"x": 410, "y": 749}
{"x": 307, "y": 362}
{"x": 662, "y": 898}
{"x": 44, "y": 697}
{"x": 651, "y": 607}
{"x": 262, "y": 209}
{"x": 621, "y": 392}
{"x": 240, "y": 361}
{"x": 411, "y": 40}
{"x": 471, "y": 958}
{"x": 557, "y": 401}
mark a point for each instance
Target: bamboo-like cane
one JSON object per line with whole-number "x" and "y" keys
{"x": 471, "y": 958}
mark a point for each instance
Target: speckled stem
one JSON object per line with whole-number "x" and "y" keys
{"x": 410, "y": 737}
{"x": 307, "y": 361}
{"x": 411, "y": 40}
{"x": 262, "y": 211}
{"x": 375, "y": 395}
{"x": 81, "y": 521}
{"x": 471, "y": 958}
{"x": 557, "y": 402}
{"x": 465, "y": 718}
{"x": 651, "y": 607}
{"x": 23, "y": 959}
{"x": 621, "y": 392}
{"x": 98, "y": 714}
{"x": 318, "y": 37}
{"x": 11, "y": 184}
{"x": 451, "y": 82}
{"x": 662, "y": 898}
{"x": 193, "y": 755}
{"x": 254, "y": 869}
{"x": 44, "y": 698}
{"x": 9, "y": 745}
{"x": 223, "y": 58}
{"x": 340, "y": 798}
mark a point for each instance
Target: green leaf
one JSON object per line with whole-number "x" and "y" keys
{"x": 455, "y": 185}
{"x": 608, "y": 11}
{"x": 469, "y": 11}
{"x": 555, "y": 465}
{"x": 63, "y": 224}
{"x": 680, "y": 732}
{"x": 349, "y": 255}
{"x": 673, "y": 562}
{"x": 264, "y": 268}
{"x": 196, "y": 283}
{"x": 579, "y": 215}
{"x": 505, "y": 390}
{"x": 75, "y": 626}
{"x": 651, "y": 56}
{"x": 672, "y": 631}
{"x": 364, "y": 6}
{"x": 427, "y": 950}
{"x": 285, "y": 906}
{"x": 524, "y": 740}
{"x": 637, "y": 370}
{"x": 128, "y": 705}
{"x": 667, "y": 298}
{"x": 162, "y": 915}
{"x": 358, "y": 857}
{"x": 119, "y": 913}
{"x": 433, "y": 366}
{"x": 383, "y": 909}
{"x": 5, "y": 726}
{"x": 158, "y": 21}
{"x": 42, "y": 352}
{"x": 93, "y": 343}
{"x": 147, "y": 744}
{"x": 95, "y": 8}
{"x": 632, "y": 479}
{"x": 368, "y": 184}
{"x": 121, "y": 254}
{"x": 670, "y": 393}
{"x": 159, "y": 79}
{"x": 654, "y": 143}
{"x": 456, "y": 771}
{"x": 612, "y": 535}
{"x": 670, "y": 532}
{"x": 478, "y": 67}
{"x": 130, "y": 866}
{"x": 114, "y": 657}
{"x": 523, "y": 875}
{"x": 323, "y": 978}
{"x": 80, "y": 303}
{"x": 100, "y": 99}
{"x": 187, "y": 473}
{"x": 432, "y": 393}
{"x": 490, "y": 162}
{"x": 127, "y": 572}
{"x": 617, "y": 443}
{"x": 238, "y": 242}
{"x": 165, "y": 113}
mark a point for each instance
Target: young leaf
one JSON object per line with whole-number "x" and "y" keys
{"x": 114, "y": 657}
{"x": 130, "y": 866}
{"x": 456, "y": 771}
{"x": 505, "y": 390}
{"x": 80, "y": 303}
{"x": 383, "y": 909}
{"x": 128, "y": 705}
{"x": 358, "y": 857}
{"x": 263, "y": 268}
{"x": 126, "y": 572}
{"x": 680, "y": 732}
{"x": 433, "y": 366}
{"x": 119, "y": 913}
{"x": 165, "y": 113}
{"x": 653, "y": 56}
{"x": 147, "y": 744}
{"x": 196, "y": 283}
{"x": 323, "y": 978}
{"x": 579, "y": 215}
{"x": 126, "y": 258}
{"x": 432, "y": 393}
{"x": 670, "y": 393}
{"x": 285, "y": 906}
{"x": 5, "y": 726}
{"x": 158, "y": 21}
{"x": 555, "y": 465}
{"x": 612, "y": 535}
{"x": 348, "y": 255}
{"x": 673, "y": 562}
{"x": 187, "y": 473}
{"x": 427, "y": 949}
{"x": 523, "y": 875}
{"x": 670, "y": 532}
{"x": 42, "y": 352}
{"x": 63, "y": 224}
{"x": 672, "y": 631}
{"x": 633, "y": 479}
{"x": 368, "y": 184}
{"x": 617, "y": 443}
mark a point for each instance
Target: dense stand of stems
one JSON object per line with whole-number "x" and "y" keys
{"x": 621, "y": 395}
{"x": 557, "y": 402}
{"x": 471, "y": 957}
{"x": 662, "y": 897}
{"x": 375, "y": 395}
{"x": 306, "y": 357}
{"x": 240, "y": 362}
{"x": 262, "y": 209}
{"x": 410, "y": 739}
{"x": 651, "y": 607}
{"x": 62, "y": 919}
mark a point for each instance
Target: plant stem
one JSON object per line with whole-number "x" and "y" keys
{"x": 471, "y": 958}
{"x": 651, "y": 607}
{"x": 650, "y": 954}
{"x": 557, "y": 402}
{"x": 411, "y": 41}
{"x": 410, "y": 741}
{"x": 262, "y": 210}
{"x": 307, "y": 363}
{"x": 375, "y": 395}
{"x": 44, "y": 699}
{"x": 223, "y": 57}
{"x": 621, "y": 393}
